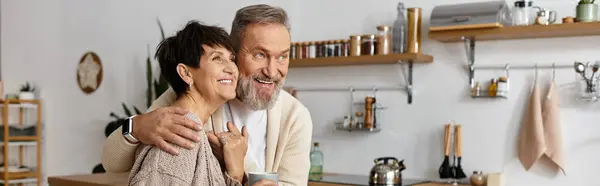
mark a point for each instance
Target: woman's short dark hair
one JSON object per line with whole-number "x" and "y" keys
{"x": 186, "y": 48}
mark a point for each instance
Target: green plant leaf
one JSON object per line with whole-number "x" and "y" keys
{"x": 127, "y": 111}
{"x": 149, "y": 78}
{"x": 137, "y": 111}
{"x": 163, "y": 85}
{"x": 162, "y": 32}
{"x": 112, "y": 114}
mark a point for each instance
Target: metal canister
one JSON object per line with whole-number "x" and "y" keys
{"x": 414, "y": 30}
{"x": 355, "y": 42}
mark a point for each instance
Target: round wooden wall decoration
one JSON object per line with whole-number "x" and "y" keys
{"x": 89, "y": 72}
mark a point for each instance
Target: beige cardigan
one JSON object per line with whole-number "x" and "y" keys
{"x": 289, "y": 133}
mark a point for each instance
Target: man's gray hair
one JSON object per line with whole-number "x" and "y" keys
{"x": 260, "y": 13}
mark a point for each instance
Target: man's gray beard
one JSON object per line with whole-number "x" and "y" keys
{"x": 248, "y": 95}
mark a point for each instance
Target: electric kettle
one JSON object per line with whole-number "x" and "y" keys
{"x": 386, "y": 171}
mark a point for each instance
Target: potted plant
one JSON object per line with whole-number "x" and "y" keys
{"x": 587, "y": 11}
{"x": 27, "y": 92}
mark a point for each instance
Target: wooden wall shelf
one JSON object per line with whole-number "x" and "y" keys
{"x": 360, "y": 60}
{"x": 519, "y": 32}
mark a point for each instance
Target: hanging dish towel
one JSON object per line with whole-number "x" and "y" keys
{"x": 531, "y": 143}
{"x": 552, "y": 132}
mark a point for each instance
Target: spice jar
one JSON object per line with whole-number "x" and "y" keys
{"x": 384, "y": 40}
{"x": 293, "y": 51}
{"x": 355, "y": 44}
{"x": 337, "y": 48}
{"x": 318, "y": 50}
{"x": 325, "y": 48}
{"x": 298, "y": 50}
{"x": 368, "y": 44}
{"x": 345, "y": 46}
{"x": 306, "y": 50}
{"x": 502, "y": 89}
{"x": 312, "y": 49}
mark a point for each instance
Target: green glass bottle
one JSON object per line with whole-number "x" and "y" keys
{"x": 316, "y": 163}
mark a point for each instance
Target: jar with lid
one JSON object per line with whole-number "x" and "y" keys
{"x": 355, "y": 46}
{"x": 384, "y": 40}
{"x": 338, "y": 48}
{"x": 477, "y": 178}
{"x": 523, "y": 13}
{"x": 312, "y": 49}
{"x": 345, "y": 46}
{"x": 330, "y": 48}
{"x": 298, "y": 50}
{"x": 368, "y": 44}
{"x": 306, "y": 50}
{"x": 325, "y": 49}
{"x": 502, "y": 89}
{"x": 293, "y": 51}
{"x": 318, "y": 50}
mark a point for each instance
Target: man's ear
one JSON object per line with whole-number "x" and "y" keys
{"x": 184, "y": 73}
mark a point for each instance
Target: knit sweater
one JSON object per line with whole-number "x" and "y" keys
{"x": 197, "y": 166}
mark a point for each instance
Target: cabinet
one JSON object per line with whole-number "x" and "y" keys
{"x": 22, "y": 135}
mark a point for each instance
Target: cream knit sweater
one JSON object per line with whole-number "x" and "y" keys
{"x": 197, "y": 166}
{"x": 289, "y": 133}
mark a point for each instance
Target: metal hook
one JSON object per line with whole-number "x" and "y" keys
{"x": 374, "y": 90}
{"x": 553, "y": 71}
{"x": 536, "y": 72}
{"x": 507, "y": 68}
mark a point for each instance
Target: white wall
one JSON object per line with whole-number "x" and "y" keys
{"x": 53, "y": 36}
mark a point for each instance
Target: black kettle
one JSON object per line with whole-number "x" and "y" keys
{"x": 386, "y": 171}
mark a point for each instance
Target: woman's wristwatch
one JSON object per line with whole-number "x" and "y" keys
{"x": 127, "y": 127}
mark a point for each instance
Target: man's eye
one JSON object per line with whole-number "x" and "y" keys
{"x": 283, "y": 57}
{"x": 259, "y": 55}
{"x": 218, "y": 58}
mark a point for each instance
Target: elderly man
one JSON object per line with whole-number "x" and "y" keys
{"x": 279, "y": 126}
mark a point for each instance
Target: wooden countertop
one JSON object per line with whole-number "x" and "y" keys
{"x": 120, "y": 179}
{"x": 105, "y": 179}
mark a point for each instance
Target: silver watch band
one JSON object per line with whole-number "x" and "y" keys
{"x": 130, "y": 137}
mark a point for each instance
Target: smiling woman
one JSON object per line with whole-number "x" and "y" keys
{"x": 198, "y": 62}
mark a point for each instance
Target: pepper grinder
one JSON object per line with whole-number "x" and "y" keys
{"x": 369, "y": 116}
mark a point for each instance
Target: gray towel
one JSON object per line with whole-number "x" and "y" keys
{"x": 197, "y": 166}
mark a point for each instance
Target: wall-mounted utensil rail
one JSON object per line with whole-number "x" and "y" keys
{"x": 408, "y": 87}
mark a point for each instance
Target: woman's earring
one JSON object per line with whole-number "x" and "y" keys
{"x": 191, "y": 84}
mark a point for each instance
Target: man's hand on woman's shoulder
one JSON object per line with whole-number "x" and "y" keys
{"x": 166, "y": 125}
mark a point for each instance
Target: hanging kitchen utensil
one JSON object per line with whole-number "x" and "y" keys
{"x": 445, "y": 171}
{"x": 459, "y": 173}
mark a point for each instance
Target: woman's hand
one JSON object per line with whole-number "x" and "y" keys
{"x": 265, "y": 182}
{"x": 235, "y": 145}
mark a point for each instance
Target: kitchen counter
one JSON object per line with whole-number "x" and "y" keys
{"x": 120, "y": 179}
{"x": 358, "y": 180}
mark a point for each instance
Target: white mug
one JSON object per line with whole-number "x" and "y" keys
{"x": 257, "y": 176}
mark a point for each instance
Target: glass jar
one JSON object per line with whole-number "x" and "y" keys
{"x": 330, "y": 48}
{"x": 355, "y": 44}
{"x": 293, "y": 51}
{"x": 368, "y": 44}
{"x": 298, "y": 50}
{"x": 318, "y": 50}
{"x": 384, "y": 38}
{"x": 305, "y": 50}
{"x": 337, "y": 48}
{"x": 345, "y": 45}
{"x": 312, "y": 49}
{"x": 523, "y": 13}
